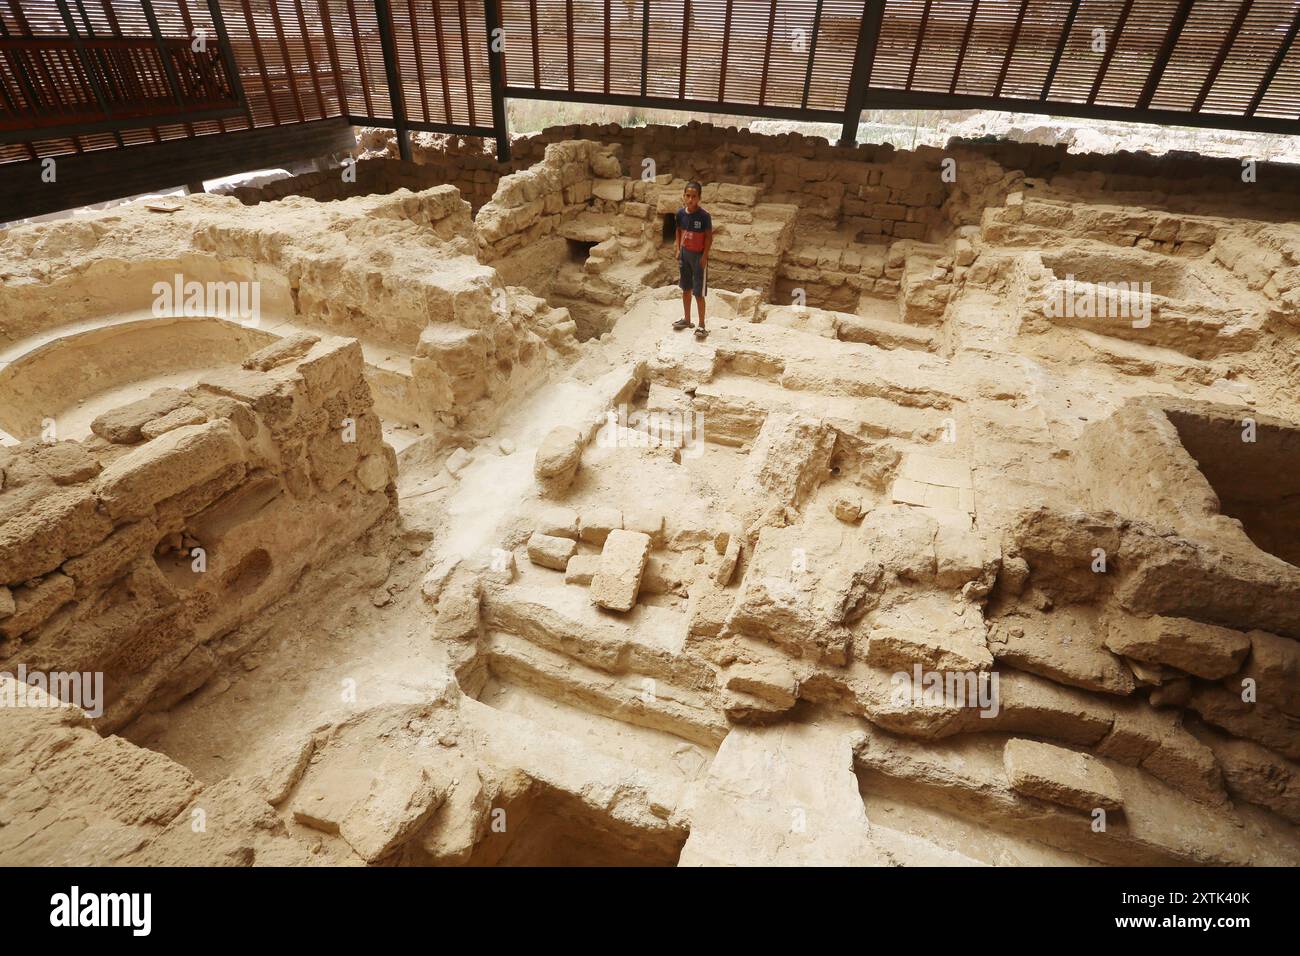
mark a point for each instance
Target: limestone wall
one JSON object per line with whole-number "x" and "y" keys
{"x": 872, "y": 189}
{"x": 185, "y": 514}
{"x": 79, "y": 799}
{"x": 533, "y": 203}
{"x": 474, "y": 177}
{"x": 443, "y": 335}
{"x": 707, "y": 152}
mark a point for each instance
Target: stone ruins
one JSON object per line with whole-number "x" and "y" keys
{"x": 383, "y": 518}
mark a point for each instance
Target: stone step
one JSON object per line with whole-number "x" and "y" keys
{"x": 648, "y": 640}
{"x": 781, "y": 796}
{"x": 629, "y": 697}
{"x": 1159, "y": 825}
{"x": 735, "y": 406}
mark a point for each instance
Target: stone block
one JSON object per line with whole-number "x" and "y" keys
{"x": 549, "y": 551}
{"x": 1066, "y": 777}
{"x": 622, "y": 563}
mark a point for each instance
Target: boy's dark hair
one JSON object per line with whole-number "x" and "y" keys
{"x": 696, "y": 186}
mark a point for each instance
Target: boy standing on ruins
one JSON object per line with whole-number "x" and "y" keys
{"x": 694, "y": 239}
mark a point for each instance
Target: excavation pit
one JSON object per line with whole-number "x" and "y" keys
{"x": 465, "y": 556}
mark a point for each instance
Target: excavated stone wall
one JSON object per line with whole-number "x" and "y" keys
{"x": 706, "y": 152}
{"x": 186, "y": 513}
{"x": 444, "y": 338}
{"x": 382, "y": 175}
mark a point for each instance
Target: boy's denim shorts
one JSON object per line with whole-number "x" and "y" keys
{"x": 691, "y": 272}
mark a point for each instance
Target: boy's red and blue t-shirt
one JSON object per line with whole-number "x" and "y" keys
{"x": 693, "y": 226}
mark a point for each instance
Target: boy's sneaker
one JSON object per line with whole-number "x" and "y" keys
{"x": 701, "y": 332}
{"x": 682, "y": 324}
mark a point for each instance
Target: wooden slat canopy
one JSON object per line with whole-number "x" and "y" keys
{"x": 449, "y": 65}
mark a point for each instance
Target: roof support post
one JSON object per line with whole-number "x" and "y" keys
{"x": 863, "y": 59}
{"x": 384, "y": 17}
{"x": 496, "y": 38}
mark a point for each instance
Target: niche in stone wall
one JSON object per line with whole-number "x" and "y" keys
{"x": 1257, "y": 482}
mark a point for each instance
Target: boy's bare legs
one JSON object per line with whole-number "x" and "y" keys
{"x": 686, "y": 307}
{"x": 699, "y": 304}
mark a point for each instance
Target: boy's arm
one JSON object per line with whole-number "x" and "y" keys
{"x": 708, "y": 243}
{"x": 677, "y": 242}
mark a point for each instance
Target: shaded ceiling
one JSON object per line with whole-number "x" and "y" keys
{"x": 81, "y": 75}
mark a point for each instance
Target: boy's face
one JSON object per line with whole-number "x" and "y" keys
{"x": 692, "y": 199}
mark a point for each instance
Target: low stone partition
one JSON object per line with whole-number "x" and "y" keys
{"x": 874, "y": 190}
{"x": 475, "y": 181}
{"x": 185, "y": 514}
{"x": 707, "y": 152}
{"x": 444, "y": 336}
{"x": 533, "y": 203}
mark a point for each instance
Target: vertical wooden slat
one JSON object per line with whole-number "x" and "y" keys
{"x": 920, "y": 39}
{"x": 261, "y": 62}
{"x": 9, "y": 102}
{"x": 500, "y": 19}
{"x": 228, "y": 57}
{"x": 965, "y": 45}
{"x": 1274, "y": 66}
{"x": 1011, "y": 48}
{"x": 864, "y": 58}
{"x": 686, "y": 38}
{"x": 1110, "y": 51}
{"x": 89, "y": 64}
{"x": 469, "y": 69}
{"x": 124, "y": 73}
{"x": 645, "y": 44}
{"x": 568, "y": 20}
{"x": 812, "y": 54}
{"x": 46, "y": 80}
{"x": 392, "y": 74}
{"x": 188, "y": 21}
{"x": 726, "y": 42}
{"x": 442, "y": 58}
{"x": 101, "y": 61}
{"x": 288, "y": 63}
{"x": 111, "y": 17}
{"x": 16, "y": 9}
{"x": 85, "y": 20}
{"x": 497, "y": 77}
{"x": 163, "y": 56}
{"x": 1224, "y": 49}
{"x": 419, "y": 58}
{"x": 607, "y": 28}
{"x": 767, "y": 54}
{"x": 361, "y": 58}
{"x": 1060, "y": 49}
{"x": 311, "y": 60}
{"x": 22, "y": 81}
{"x": 1166, "y": 51}
{"x": 537, "y": 46}
{"x": 327, "y": 28}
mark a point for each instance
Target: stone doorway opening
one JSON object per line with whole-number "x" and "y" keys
{"x": 579, "y": 250}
